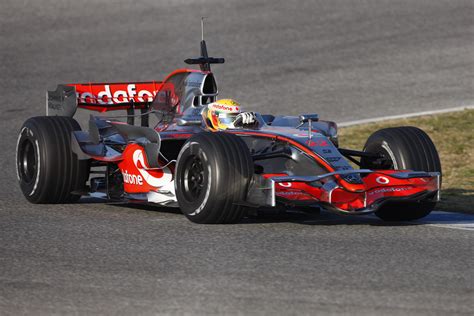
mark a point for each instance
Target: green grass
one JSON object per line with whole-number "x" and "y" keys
{"x": 453, "y": 136}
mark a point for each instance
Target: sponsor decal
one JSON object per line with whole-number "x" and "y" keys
{"x": 285, "y": 184}
{"x": 132, "y": 179}
{"x": 115, "y": 93}
{"x": 386, "y": 190}
{"x": 317, "y": 143}
{"x": 333, "y": 159}
{"x": 289, "y": 193}
{"x": 225, "y": 107}
{"x": 382, "y": 180}
{"x": 295, "y": 195}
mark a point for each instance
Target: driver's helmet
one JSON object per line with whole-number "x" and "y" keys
{"x": 221, "y": 114}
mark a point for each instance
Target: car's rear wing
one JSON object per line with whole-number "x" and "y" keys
{"x": 101, "y": 97}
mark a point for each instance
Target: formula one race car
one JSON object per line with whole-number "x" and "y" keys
{"x": 213, "y": 161}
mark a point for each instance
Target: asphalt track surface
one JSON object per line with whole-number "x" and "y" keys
{"x": 345, "y": 60}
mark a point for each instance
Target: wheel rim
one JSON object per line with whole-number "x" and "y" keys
{"x": 385, "y": 162}
{"x": 27, "y": 162}
{"x": 193, "y": 178}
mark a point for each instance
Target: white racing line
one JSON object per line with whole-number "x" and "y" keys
{"x": 448, "y": 220}
{"x": 441, "y": 219}
{"x": 436, "y": 218}
{"x": 401, "y": 116}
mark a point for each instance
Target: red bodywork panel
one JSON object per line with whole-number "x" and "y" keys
{"x": 137, "y": 176}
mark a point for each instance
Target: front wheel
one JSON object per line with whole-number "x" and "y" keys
{"x": 213, "y": 172}
{"x": 403, "y": 148}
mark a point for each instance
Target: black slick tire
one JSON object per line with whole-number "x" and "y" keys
{"x": 213, "y": 172}
{"x": 47, "y": 169}
{"x": 405, "y": 147}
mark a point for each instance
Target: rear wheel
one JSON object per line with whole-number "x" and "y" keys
{"x": 404, "y": 147}
{"x": 213, "y": 172}
{"x": 47, "y": 169}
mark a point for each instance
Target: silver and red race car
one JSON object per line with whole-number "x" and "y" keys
{"x": 216, "y": 176}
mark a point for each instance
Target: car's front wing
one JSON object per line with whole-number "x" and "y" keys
{"x": 379, "y": 187}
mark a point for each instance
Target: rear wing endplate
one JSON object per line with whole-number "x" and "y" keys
{"x": 62, "y": 101}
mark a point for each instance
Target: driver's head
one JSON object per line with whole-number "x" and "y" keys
{"x": 220, "y": 115}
